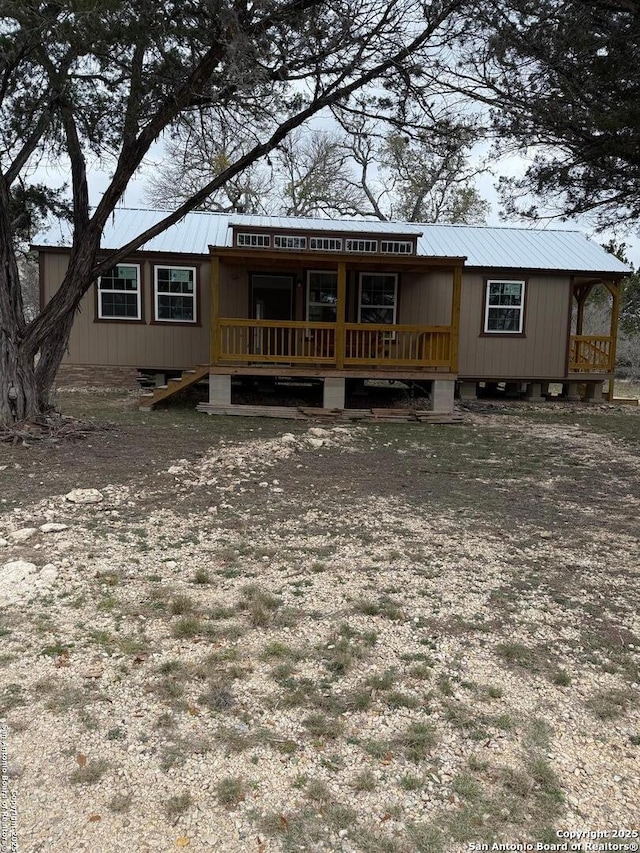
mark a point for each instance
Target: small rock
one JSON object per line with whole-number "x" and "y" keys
{"x": 318, "y": 431}
{"x": 316, "y": 442}
{"x": 23, "y": 535}
{"x": 84, "y": 496}
{"x": 94, "y": 672}
{"x": 546, "y": 534}
{"x": 3, "y": 543}
{"x": 52, "y": 527}
{"x": 171, "y": 565}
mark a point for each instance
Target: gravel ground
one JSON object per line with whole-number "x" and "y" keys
{"x": 333, "y": 639}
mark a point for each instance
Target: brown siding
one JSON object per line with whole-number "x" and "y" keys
{"x": 425, "y": 299}
{"x": 234, "y": 291}
{"x": 123, "y": 344}
{"x": 540, "y": 354}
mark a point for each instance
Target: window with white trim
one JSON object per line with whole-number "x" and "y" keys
{"x": 254, "y": 241}
{"x": 175, "y": 294}
{"x": 362, "y": 245}
{"x": 119, "y": 293}
{"x": 286, "y": 241}
{"x": 377, "y": 301}
{"x": 504, "y": 307}
{"x": 396, "y": 247}
{"x": 322, "y": 296}
{"x": 325, "y": 244}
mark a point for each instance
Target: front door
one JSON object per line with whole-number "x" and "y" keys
{"x": 271, "y": 299}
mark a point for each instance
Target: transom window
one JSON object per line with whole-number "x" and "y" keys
{"x": 378, "y": 297}
{"x": 396, "y": 247}
{"x": 286, "y": 241}
{"x": 504, "y": 307}
{"x": 119, "y": 293}
{"x": 362, "y": 245}
{"x": 254, "y": 241}
{"x": 326, "y": 244}
{"x": 175, "y": 294}
{"x": 322, "y": 296}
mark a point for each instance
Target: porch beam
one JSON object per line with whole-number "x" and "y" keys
{"x": 341, "y": 308}
{"x": 214, "y": 325}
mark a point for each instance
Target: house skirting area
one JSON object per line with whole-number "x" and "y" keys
{"x": 439, "y": 407}
{"x": 573, "y": 389}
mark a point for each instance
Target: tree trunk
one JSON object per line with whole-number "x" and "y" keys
{"x": 18, "y": 386}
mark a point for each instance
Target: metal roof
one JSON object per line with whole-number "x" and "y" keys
{"x": 482, "y": 246}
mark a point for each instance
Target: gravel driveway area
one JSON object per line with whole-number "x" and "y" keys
{"x": 247, "y": 635}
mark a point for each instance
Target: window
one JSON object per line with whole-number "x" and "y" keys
{"x": 119, "y": 293}
{"x": 326, "y": 244}
{"x": 362, "y": 245}
{"x": 284, "y": 241}
{"x": 378, "y": 292}
{"x": 175, "y": 294}
{"x": 504, "y": 307}
{"x": 322, "y": 296}
{"x": 396, "y": 247}
{"x": 254, "y": 241}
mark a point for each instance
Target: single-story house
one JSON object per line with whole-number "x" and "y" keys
{"x": 230, "y": 295}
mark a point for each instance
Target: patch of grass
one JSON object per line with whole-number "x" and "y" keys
{"x": 181, "y": 604}
{"x": 409, "y": 782}
{"x": 120, "y": 803}
{"x": 538, "y": 734}
{"x": 562, "y": 678}
{"x": 176, "y": 806}
{"x": 517, "y": 654}
{"x": 364, "y": 781}
{"x": 318, "y": 792}
{"x": 90, "y": 774}
{"x": 259, "y": 605}
{"x": 417, "y": 741}
{"x": 217, "y": 698}
{"x": 383, "y": 680}
{"x": 116, "y": 733}
{"x": 609, "y": 704}
{"x": 201, "y": 576}
{"x": 323, "y": 726}
{"x": 55, "y": 649}
{"x": 176, "y": 752}
{"x": 230, "y": 791}
{"x": 12, "y": 696}
{"x": 398, "y": 699}
{"x": 277, "y": 649}
{"x": 186, "y": 628}
{"x": 466, "y": 786}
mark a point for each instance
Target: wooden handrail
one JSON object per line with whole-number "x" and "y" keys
{"x": 306, "y": 342}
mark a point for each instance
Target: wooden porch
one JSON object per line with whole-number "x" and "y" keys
{"x": 245, "y": 342}
{"x": 593, "y": 354}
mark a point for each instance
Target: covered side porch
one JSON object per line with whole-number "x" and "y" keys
{"x": 591, "y": 358}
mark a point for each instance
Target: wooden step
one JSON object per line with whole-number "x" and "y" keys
{"x": 161, "y": 392}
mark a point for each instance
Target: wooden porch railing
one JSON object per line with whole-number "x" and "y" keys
{"x": 590, "y": 354}
{"x": 354, "y": 344}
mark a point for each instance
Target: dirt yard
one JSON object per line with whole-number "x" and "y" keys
{"x": 259, "y": 635}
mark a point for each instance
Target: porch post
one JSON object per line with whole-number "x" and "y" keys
{"x": 214, "y": 325}
{"x": 614, "y": 288}
{"x": 455, "y": 318}
{"x": 341, "y": 308}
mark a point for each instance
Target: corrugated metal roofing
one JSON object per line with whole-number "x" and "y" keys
{"x": 483, "y": 246}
